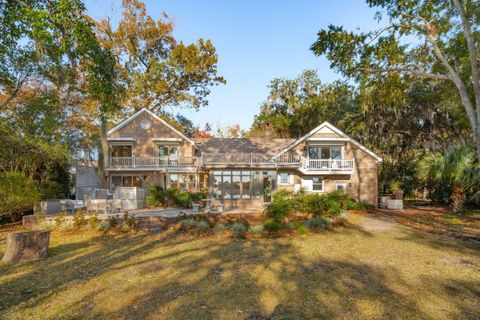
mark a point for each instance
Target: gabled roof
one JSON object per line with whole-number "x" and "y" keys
{"x": 145, "y": 110}
{"x": 343, "y": 137}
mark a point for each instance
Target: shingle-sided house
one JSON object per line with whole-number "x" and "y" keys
{"x": 145, "y": 150}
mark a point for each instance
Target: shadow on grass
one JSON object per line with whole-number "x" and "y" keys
{"x": 219, "y": 278}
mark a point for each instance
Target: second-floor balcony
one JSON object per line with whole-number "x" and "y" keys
{"x": 152, "y": 162}
{"x": 250, "y": 160}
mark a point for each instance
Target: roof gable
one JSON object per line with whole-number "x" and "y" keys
{"x": 129, "y": 119}
{"x": 329, "y": 132}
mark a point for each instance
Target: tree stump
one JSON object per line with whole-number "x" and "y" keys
{"x": 26, "y": 245}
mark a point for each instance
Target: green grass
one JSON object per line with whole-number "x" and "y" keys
{"x": 370, "y": 269}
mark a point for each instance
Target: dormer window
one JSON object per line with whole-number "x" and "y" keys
{"x": 167, "y": 150}
{"x": 325, "y": 152}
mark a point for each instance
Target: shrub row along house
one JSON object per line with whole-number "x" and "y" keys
{"x": 145, "y": 151}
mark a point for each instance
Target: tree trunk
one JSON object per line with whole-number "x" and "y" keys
{"x": 103, "y": 151}
{"x": 458, "y": 199}
{"x": 26, "y": 245}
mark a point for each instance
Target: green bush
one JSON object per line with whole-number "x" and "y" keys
{"x": 274, "y": 225}
{"x": 203, "y": 224}
{"x": 183, "y": 199}
{"x": 79, "y": 220}
{"x": 187, "y": 223}
{"x": 238, "y": 229}
{"x": 93, "y": 221}
{"x": 53, "y": 190}
{"x": 280, "y": 207}
{"x": 300, "y": 227}
{"x": 258, "y": 228}
{"x": 318, "y": 222}
{"x": 156, "y": 196}
{"x": 104, "y": 226}
{"x": 18, "y": 194}
{"x": 220, "y": 227}
{"x": 61, "y": 221}
{"x": 171, "y": 196}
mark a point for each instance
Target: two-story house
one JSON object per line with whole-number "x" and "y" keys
{"x": 145, "y": 150}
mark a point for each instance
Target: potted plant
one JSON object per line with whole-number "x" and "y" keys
{"x": 396, "y": 189}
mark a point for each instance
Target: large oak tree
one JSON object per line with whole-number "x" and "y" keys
{"x": 429, "y": 39}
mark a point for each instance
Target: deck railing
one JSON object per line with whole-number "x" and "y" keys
{"x": 152, "y": 162}
{"x": 248, "y": 159}
{"x": 235, "y": 158}
{"x": 328, "y": 164}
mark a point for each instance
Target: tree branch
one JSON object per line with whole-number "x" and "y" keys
{"x": 422, "y": 74}
{"x": 462, "y": 88}
{"x": 472, "y": 52}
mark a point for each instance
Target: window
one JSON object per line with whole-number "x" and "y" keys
{"x": 238, "y": 184}
{"x": 342, "y": 186}
{"x": 120, "y": 151}
{"x": 284, "y": 178}
{"x": 317, "y": 183}
{"x": 126, "y": 181}
{"x": 170, "y": 151}
{"x": 334, "y": 152}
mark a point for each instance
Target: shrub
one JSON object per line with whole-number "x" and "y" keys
{"x": 220, "y": 227}
{"x": 187, "y": 223}
{"x": 53, "y": 190}
{"x": 183, "y": 199}
{"x": 279, "y": 208}
{"x": 61, "y": 221}
{"x": 128, "y": 222}
{"x": 93, "y": 221}
{"x": 113, "y": 221}
{"x": 18, "y": 194}
{"x": 203, "y": 224}
{"x": 258, "y": 228}
{"x": 79, "y": 220}
{"x": 274, "y": 225}
{"x": 300, "y": 227}
{"x": 318, "y": 222}
{"x": 238, "y": 229}
{"x": 104, "y": 226}
{"x": 39, "y": 217}
{"x": 156, "y": 196}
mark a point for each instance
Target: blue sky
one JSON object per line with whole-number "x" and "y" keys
{"x": 256, "y": 41}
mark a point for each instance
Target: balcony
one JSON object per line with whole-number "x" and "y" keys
{"x": 152, "y": 162}
{"x": 287, "y": 160}
{"x": 227, "y": 159}
{"x": 345, "y": 166}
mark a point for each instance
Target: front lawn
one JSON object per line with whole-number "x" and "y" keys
{"x": 372, "y": 268}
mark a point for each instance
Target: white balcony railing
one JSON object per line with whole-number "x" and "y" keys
{"x": 152, "y": 162}
{"x": 330, "y": 165}
{"x": 247, "y": 159}
{"x": 235, "y": 158}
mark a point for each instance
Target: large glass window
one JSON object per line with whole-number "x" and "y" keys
{"x": 246, "y": 188}
{"x": 187, "y": 182}
{"x": 126, "y": 181}
{"x": 334, "y": 152}
{"x": 238, "y": 184}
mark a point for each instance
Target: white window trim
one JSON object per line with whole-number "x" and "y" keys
{"x": 330, "y": 146}
{"x": 289, "y": 179}
{"x": 323, "y": 185}
{"x": 344, "y": 184}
